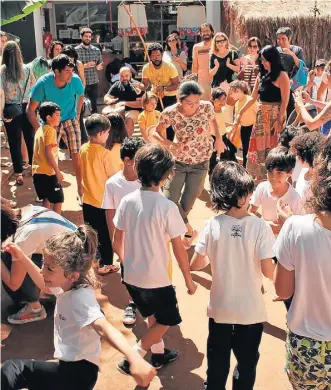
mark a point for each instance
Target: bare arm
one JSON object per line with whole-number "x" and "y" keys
{"x": 268, "y": 268}
{"x": 198, "y": 262}
{"x": 255, "y": 95}
{"x": 135, "y": 104}
{"x": 109, "y": 99}
{"x": 80, "y": 105}
{"x": 235, "y": 67}
{"x": 182, "y": 259}
{"x": 284, "y": 282}
{"x": 313, "y": 123}
{"x": 142, "y": 371}
{"x": 118, "y": 244}
{"x": 195, "y": 60}
{"x": 110, "y": 214}
{"x": 146, "y": 84}
{"x": 160, "y": 136}
{"x": 253, "y": 209}
{"x": 81, "y": 72}
{"x": 213, "y": 71}
{"x": 31, "y": 113}
{"x": 174, "y": 84}
{"x": 284, "y": 85}
{"x": 13, "y": 278}
{"x": 51, "y": 161}
{"x": 321, "y": 91}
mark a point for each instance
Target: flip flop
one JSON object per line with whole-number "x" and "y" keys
{"x": 109, "y": 269}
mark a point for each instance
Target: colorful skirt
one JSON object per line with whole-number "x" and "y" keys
{"x": 308, "y": 363}
{"x": 264, "y": 138}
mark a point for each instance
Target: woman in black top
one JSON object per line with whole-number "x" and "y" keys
{"x": 272, "y": 88}
{"x": 224, "y": 63}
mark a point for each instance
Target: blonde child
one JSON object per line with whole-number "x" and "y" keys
{"x": 150, "y": 116}
{"x": 67, "y": 273}
{"x": 47, "y": 177}
{"x": 239, "y": 91}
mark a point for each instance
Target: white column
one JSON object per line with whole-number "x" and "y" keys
{"x": 38, "y": 32}
{"x": 213, "y": 8}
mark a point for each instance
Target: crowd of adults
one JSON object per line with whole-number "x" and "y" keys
{"x": 181, "y": 115}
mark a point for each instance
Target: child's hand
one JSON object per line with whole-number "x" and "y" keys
{"x": 219, "y": 146}
{"x": 277, "y": 299}
{"x": 142, "y": 372}
{"x": 15, "y": 251}
{"x": 283, "y": 211}
{"x": 191, "y": 287}
{"x": 228, "y": 62}
{"x": 216, "y": 63}
{"x": 59, "y": 177}
{"x": 275, "y": 226}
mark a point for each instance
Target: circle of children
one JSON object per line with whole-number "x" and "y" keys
{"x": 273, "y": 218}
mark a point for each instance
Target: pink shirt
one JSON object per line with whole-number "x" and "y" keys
{"x": 202, "y": 53}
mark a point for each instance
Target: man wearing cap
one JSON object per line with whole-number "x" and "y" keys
{"x": 66, "y": 90}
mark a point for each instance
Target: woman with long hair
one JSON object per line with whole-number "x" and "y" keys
{"x": 55, "y": 49}
{"x": 16, "y": 82}
{"x": 224, "y": 62}
{"x": 303, "y": 271}
{"x": 272, "y": 89}
{"x": 174, "y": 54}
{"x": 249, "y": 66}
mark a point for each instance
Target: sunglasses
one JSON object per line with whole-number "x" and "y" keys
{"x": 172, "y": 40}
{"x": 253, "y": 47}
{"x": 221, "y": 41}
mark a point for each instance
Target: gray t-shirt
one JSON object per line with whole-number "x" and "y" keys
{"x": 288, "y": 61}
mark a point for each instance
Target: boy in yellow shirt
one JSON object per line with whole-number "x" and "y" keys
{"x": 47, "y": 177}
{"x": 97, "y": 166}
{"x": 150, "y": 116}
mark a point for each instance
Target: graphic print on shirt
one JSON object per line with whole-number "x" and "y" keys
{"x": 236, "y": 230}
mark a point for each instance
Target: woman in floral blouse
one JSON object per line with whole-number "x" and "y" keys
{"x": 16, "y": 82}
{"x": 193, "y": 121}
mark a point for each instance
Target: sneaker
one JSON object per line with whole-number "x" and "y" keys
{"x": 160, "y": 359}
{"x": 39, "y": 200}
{"x": 130, "y": 314}
{"x": 205, "y": 385}
{"x": 124, "y": 367}
{"x": 26, "y": 315}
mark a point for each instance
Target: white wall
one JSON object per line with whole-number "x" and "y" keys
{"x": 213, "y": 13}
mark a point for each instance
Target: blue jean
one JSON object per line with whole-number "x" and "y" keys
{"x": 192, "y": 178}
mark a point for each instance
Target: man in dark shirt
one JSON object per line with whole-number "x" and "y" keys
{"x": 127, "y": 94}
{"x": 291, "y": 56}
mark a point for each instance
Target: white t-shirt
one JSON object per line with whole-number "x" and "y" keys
{"x": 149, "y": 220}
{"x": 235, "y": 248}
{"x": 116, "y": 188}
{"x": 31, "y": 237}
{"x": 303, "y": 186}
{"x": 74, "y": 337}
{"x": 296, "y": 170}
{"x": 305, "y": 247}
{"x": 262, "y": 197}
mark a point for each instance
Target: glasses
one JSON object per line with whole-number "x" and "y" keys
{"x": 221, "y": 41}
{"x": 320, "y": 66}
{"x": 172, "y": 40}
{"x": 253, "y": 47}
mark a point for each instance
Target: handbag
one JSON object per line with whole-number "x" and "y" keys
{"x": 11, "y": 111}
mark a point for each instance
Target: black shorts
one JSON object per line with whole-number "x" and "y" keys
{"x": 160, "y": 302}
{"x": 47, "y": 187}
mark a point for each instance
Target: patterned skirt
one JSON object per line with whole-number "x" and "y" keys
{"x": 264, "y": 138}
{"x": 308, "y": 363}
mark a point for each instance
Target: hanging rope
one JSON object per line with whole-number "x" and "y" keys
{"x": 316, "y": 13}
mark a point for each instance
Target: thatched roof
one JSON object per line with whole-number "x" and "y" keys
{"x": 262, "y": 18}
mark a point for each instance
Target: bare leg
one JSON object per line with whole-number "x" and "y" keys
{"x": 78, "y": 172}
{"x": 154, "y": 334}
{"x": 46, "y": 204}
{"x": 24, "y": 150}
{"x": 129, "y": 126}
{"x": 57, "y": 207}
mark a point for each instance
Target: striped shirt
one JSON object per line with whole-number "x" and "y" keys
{"x": 92, "y": 53}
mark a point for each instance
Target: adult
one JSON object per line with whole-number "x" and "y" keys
{"x": 91, "y": 58}
{"x": 16, "y": 82}
{"x": 3, "y": 40}
{"x": 303, "y": 250}
{"x": 324, "y": 117}
{"x": 291, "y": 56}
{"x": 29, "y": 228}
{"x": 200, "y": 57}
{"x": 163, "y": 78}
{"x": 55, "y": 49}
{"x": 272, "y": 88}
{"x": 71, "y": 52}
{"x": 182, "y": 45}
{"x": 193, "y": 121}
{"x": 175, "y": 55}
{"x": 66, "y": 90}
{"x": 249, "y": 66}
{"x": 224, "y": 63}
{"x": 127, "y": 94}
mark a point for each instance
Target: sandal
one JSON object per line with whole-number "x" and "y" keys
{"x": 19, "y": 179}
{"x": 26, "y": 165}
{"x": 107, "y": 269}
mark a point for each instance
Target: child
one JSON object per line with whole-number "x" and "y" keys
{"x": 239, "y": 248}
{"x": 306, "y": 147}
{"x": 150, "y": 116}
{"x": 47, "y": 177}
{"x": 145, "y": 220}
{"x": 117, "y": 134}
{"x": 78, "y": 320}
{"x": 218, "y": 98}
{"x": 239, "y": 91}
{"x": 117, "y": 186}
{"x": 98, "y": 164}
{"x": 279, "y": 163}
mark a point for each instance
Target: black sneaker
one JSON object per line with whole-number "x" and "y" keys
{"x": 160, "y": 359}
{"x": 124, "y": 367}
{"x": 130, "y": 314}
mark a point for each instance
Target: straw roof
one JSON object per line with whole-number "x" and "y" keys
{"x": 262, "y": 18}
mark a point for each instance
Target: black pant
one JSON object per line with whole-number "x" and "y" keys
{"x": 41, "y": 375}
{"x": 83, "y": 134}
{"x": 28, "y": 291}
{"x": 229, "y": 154}
{"x": 92, "y": 92}
{"x": 96, "y": 218}
{"x": 168, "y": 101}
{"x": 14, "y": 130}
{"x": 290, "y": 105}
{"x": 245, "y": 134}
{"x": 244, "y": 341}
